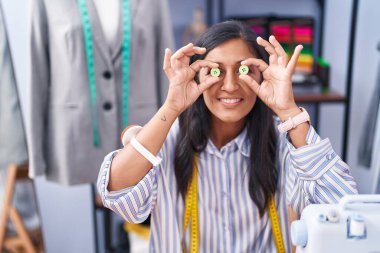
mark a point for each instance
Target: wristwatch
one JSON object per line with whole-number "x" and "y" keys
{"x": 292, "y": 122}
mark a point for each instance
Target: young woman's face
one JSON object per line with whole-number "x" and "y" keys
{"x": 230, "y": 100}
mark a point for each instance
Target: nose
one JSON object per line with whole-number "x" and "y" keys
{"x": 230, "y": 82}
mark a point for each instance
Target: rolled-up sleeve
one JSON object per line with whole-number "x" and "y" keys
{"x": 134, "y": 203}
{"x": 315, "y": 173}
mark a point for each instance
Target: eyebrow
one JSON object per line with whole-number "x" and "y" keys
{"x": 220, "y": 63}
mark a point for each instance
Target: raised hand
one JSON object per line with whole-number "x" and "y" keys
{"x": 275, "y": 89}
{"x": 183, "y": 90}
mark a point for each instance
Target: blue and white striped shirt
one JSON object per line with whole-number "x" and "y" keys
{"x": 229, "y": 220}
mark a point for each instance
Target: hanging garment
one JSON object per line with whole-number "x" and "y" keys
{"x": 60, "y": 125}
{"x": 368, "y": 133}
{"x": 12, "y": 137}
{"x": 375, "y": 163}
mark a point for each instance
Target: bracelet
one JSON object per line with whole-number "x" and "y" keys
{"x": 144, "y": 152}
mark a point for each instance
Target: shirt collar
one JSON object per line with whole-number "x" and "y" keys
{"x": 241, "y": 142}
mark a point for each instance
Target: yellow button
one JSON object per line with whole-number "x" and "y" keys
{"x": 243, "y": 70}
{"x": 215, "y": 72}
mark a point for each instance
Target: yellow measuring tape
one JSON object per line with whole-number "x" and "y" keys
{"x": 191, "y": 212}
{"x": 276, "y": 229}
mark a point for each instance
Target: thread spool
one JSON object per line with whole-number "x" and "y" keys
{"x": 356, "y": 226}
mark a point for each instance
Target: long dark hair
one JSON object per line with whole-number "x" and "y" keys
{"x": 195, "y": 123}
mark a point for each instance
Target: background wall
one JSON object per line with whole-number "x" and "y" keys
{"x": 182, "y": 14}
{"x": 336, "y": 38}
{"x": 365, "y": 71}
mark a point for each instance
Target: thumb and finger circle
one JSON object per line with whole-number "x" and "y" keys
{"x": 203, "y": 66}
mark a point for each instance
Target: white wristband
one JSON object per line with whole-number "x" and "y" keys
{"x": 129, "y": 133}
{"x": 144, "y": 152}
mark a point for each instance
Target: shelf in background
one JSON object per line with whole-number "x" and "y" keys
{"x": 328, "y": 97}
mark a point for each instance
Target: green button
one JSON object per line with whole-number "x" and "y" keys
{"x": 243, "y": 70}
{"x": 215, "y": 72}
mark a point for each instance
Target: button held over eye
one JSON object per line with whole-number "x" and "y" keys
{"x": 215, "y": 72}
{"x": 243, "y": 70}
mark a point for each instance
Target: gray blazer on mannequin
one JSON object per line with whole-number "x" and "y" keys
{"x": 60, "y": 124}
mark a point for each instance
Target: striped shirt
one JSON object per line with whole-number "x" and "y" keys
{"x": 229, "y": 220}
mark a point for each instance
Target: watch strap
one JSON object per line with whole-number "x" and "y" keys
{"x": 292, "y": 122}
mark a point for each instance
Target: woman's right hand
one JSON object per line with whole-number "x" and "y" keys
{"x": 183, "y": 90}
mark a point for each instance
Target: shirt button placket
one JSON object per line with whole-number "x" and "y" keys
{"x": 226, "y": 204}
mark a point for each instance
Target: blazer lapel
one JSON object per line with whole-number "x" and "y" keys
{"x": 134, "y": 7}
{"x": 97, "y": 33}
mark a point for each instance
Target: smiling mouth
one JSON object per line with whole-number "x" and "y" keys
{"x": 230, "y": 101}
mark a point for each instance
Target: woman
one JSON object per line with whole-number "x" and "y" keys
{"x": 226, "y": 123}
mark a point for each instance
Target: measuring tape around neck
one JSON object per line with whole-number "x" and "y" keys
{"x": 126, "y": 48}
{"x": 191, "y": 215}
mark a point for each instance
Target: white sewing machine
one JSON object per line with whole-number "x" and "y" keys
{"x": 352, "y": 226}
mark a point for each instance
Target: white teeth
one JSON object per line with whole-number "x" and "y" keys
{"x": 230, "y": 100}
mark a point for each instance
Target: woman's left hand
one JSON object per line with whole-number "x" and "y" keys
{"x": 275, "y": 89}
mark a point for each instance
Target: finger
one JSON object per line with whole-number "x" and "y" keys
{"x": 196, "y": 50}
{"x": 282, "y": 55}
{"x": 180, "y": 53}
{"x": 259, "y": 63}
{"x": 188, "y": 49}
{"x": 166, "y": 64}
{"x": 207, "y": 83}
{"x": 199, "y": 50}
{"x": 198, "y": 64}
{"x": 269, "y": 48}
{"x": 273, "y": 59}
{"x": 204, "y": 72}
{"x": 293, "y": 61}
{"x": 251, "y": 83}
{"x": 186, "y": 52}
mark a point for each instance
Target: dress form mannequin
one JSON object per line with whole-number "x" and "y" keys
{"x": 196, "y": 28}
{"x": 60, "y": 102}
